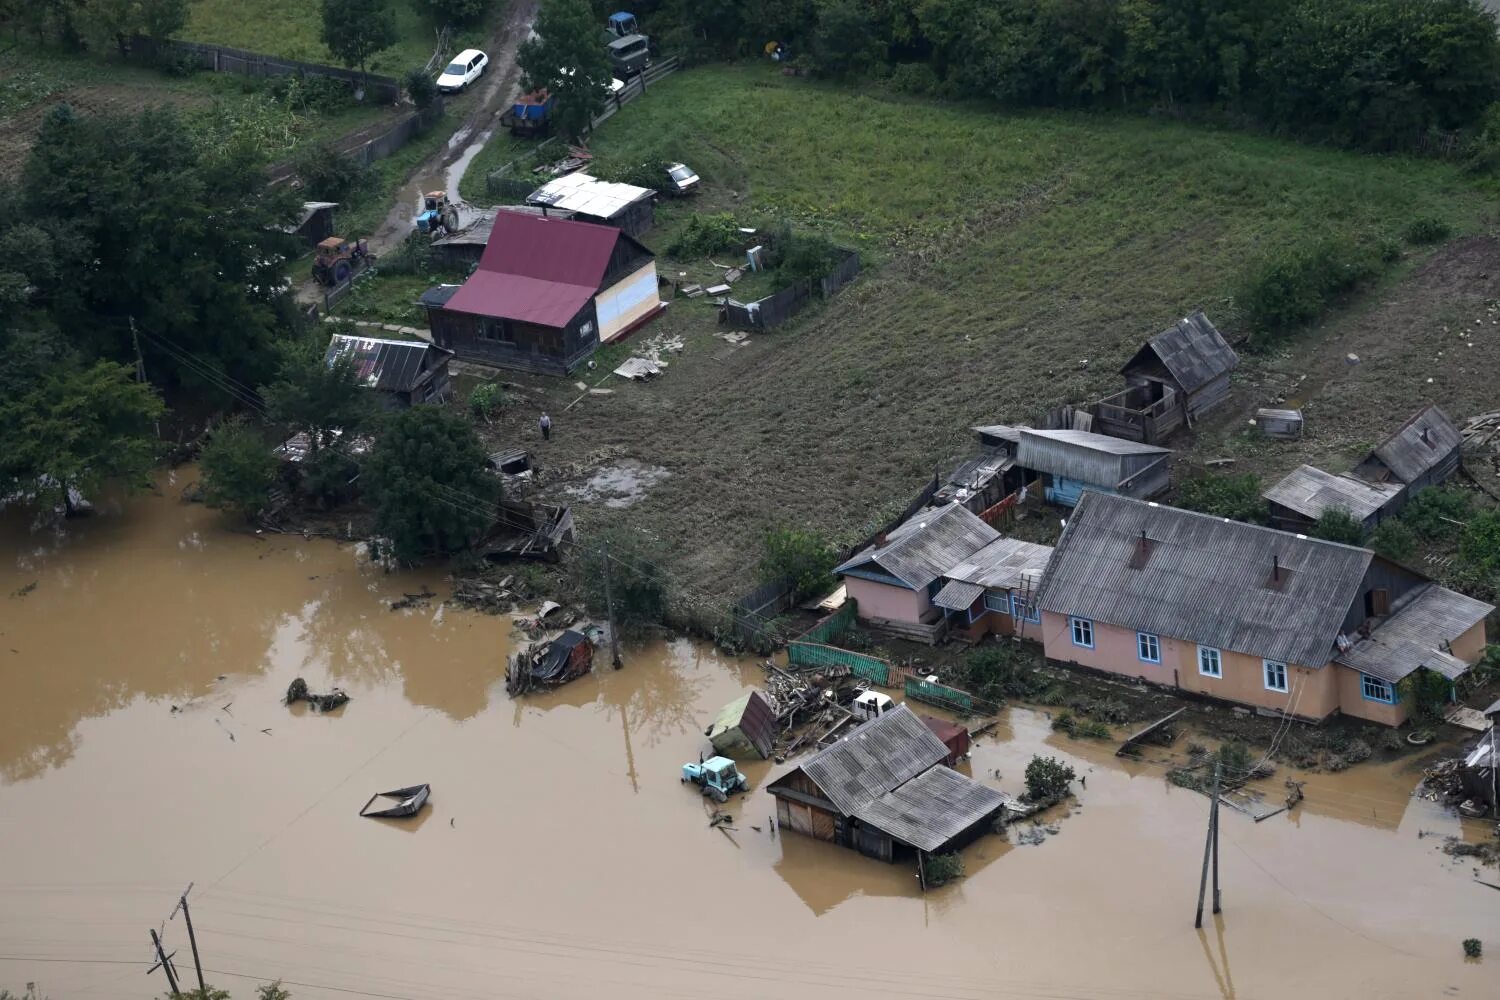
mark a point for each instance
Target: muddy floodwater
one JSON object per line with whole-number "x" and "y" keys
{"x": 143, "y": 746}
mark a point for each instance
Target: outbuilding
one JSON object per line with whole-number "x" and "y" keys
{"x": 629, "y": 208}
{"x": 1422, "y": 452}
{"x": 1307, "y": 493}
{"x": 746, "y": 727}
{"x": 1176, "y": 377}
{"x": 1073, "y": 461}
{"x": 401, "y": 372}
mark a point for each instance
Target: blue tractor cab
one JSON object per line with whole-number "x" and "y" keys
{"x": 716, "y": 777}
{"x": 622, "y": 23}
{"x": 437, "y": 214}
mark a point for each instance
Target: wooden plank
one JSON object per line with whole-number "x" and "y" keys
{"x": 1137, "y": 737}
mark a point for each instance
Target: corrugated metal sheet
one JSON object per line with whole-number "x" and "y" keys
{"x": 1192, "y": 351}
{"x": 1081, "y": 455}
{"x": 1001, "y": 432}
{"x": 957, "y": 595}
{"x": 390, "y": 365}
{"x": 1004, "y": 564}
{"x": 927, "y": 545}
{"x": 932, "y": 809}
{"x": 1422, "y": 442}
{"x": 744, "y": 728}
{"x": 588, "y": 195}
{"x": 1416, "y": 634}
{"x": 1205, "y": 579}
{"x": 1311, "y": 491}
{"x": 875, "y": 758}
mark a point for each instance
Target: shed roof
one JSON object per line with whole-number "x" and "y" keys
{"x": 1205, "y": 579}
{"x": 932, "y": 808}
{"x": 927, "y": 545}
{"x": 879, "y": 756}
{"x": 1081, "y": 455}
{"x": 1192, "y": 350}
{"x": 578, "y": 192}
{"x": 957, "y": 595}
{"x": 1417, "y": 634}
{"x": 1003, "y": 432}
{"x": 1311, "y": 491}
{"x": 1422, "y": 442}
{"x": 1004, "y": 564}
{"x": 388, "y": 365}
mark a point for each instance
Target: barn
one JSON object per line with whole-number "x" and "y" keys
{"x": 1073, "y": 461}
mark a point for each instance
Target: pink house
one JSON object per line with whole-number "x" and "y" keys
{"x": 1248, "y": 614}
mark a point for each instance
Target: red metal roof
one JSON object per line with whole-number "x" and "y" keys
{"x": 537, "y": 270}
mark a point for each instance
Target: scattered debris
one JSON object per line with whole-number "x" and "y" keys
{"x": 550, "y": 663}
{"x": 409, "y": 801}
{"x": 480, "y": 595}
{"x": 638, "y": 368}
{"x": 718, "y": 289}
{"x": 297, "y": 691}
{"x": 23, "y": 591}
{"x": 414, "y": 600}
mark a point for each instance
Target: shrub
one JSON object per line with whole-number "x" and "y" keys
{"x": 1047, "y": 778}
{"x": 1425, "y": 694}
{"x": 804, "y": 256}
{"x": 943, "y": 868}
{"x": 239, "y": 469}
{"x": 705, "y": 235}
{"x": 1394, "y": 540}
{"x": 315, "y": 92}
{"x": 1473, "y": 948}
{"x": 1427, "y": 230}
{"x": 639, "y": 587}
{"x": 648, "y": 174}
{"x": 1437, "y": 513}
{"x": 328, "y": 175}
{"x": 1064, "y": 721}
{"x": 1337, "y": 525}
{"x": 1001, "y": 670}
{"x": 1092, "y": 729}
{"x": 1224, "y": 495}
{"x": 803, "y": 557}
{"x": 1293, "y": 286}
{"x": 413, "y": 255}
{"x": 1479, "y": 545}
{"x": 487, "y": 400}
{"x": 421, "y": 88}
{"x": 915, "y": 78}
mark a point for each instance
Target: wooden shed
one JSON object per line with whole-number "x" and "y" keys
{"x": 1074, "y": 461}
{"x": 746, "y": 727}
{"x": 954, "y": 737}
{"x": 1176, "y": 377}
{"x": 1422, "y": 452}
{"x": 1306, "y": 493}
{"x": 1285, "y": 425}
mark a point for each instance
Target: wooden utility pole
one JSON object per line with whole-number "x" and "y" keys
{"x": 140, "y": 362}
{"x": 609, "y": 605}
{"x": 1216, "y": 838}
{"x": 182, "y": 904}
{"x": 1210, "y": 847}
{"x": 164, "y": 963}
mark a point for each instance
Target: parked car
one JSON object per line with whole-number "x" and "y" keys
{"x": 681, "y": 179}
{"x": 466, "y": 67}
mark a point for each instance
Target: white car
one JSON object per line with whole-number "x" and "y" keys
{"x": 466, "y": 67}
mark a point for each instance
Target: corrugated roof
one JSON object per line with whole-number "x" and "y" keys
{"x": 874, "y": 759}
{"x": 957, "y": 595}
{"x": 1005, "y": 432}
{"x": 390, "y": 365}
{"x": 1311, "y": 491}
{"x": 1205, "y": 579}
{"x": 1081, "y": 455}
{"x": 1417, "y": 634}
{"x": 578, "y": 192}
{"x": 927, "y": 545}
{"x": 932, "y": 808}
{"x": 1004, "y": 564}
{"x": 1423, "y": 441}
{"x": 1192, "y": 351}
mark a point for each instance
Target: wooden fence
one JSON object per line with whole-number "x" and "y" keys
{"x": 224, "y": 59}
{"x": 753, "y": 612}
{"x": 774, "y": 310}
{"x": 365, "y": 148}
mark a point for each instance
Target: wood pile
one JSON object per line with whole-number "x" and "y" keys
{"x": 1480, "y": 430}
{"x": 481, "y": 595}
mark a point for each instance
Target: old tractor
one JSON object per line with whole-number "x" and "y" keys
{"x": 337, "y": 259}
{"x": 717, "y": 777}
{"x": 438, "y": 214}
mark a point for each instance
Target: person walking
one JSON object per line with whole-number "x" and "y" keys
{"x": 546, "y": 425}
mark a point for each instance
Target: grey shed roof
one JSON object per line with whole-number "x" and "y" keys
{"x": 1004, "y": 564}
{"x": 1423, "y": 441}
{"x": 1002, "y": 432}
{"x": 932, "y": 808}
{"x": 927, "y": 545}
{"x": 1311, "y": 491}
{"x": 1192, "y": 351}
{"x": 957, "y": 595}
{"x": 390, "y": 365}
{"x": 1205, "y": 579}
{"x": 876, "y": 758}
{"x": 1415, "y": 636}
{"x": 1082, "y": 455}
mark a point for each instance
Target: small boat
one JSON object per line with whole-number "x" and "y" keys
{"x": 409, "y": 801}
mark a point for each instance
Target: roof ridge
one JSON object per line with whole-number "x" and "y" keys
{"x": 1231, "y": 521}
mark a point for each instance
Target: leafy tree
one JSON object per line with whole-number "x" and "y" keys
{"x": 1426, "y": 695}
{"x": 1223, "y": 495}
{"x": 486, "y": 400}
{"x": 312, "y": 396}
{"x": 355, "y": 30}
{"x": 456, "y": 11}
{"x": 239, "y": 469}
{"x": 1338, "y": 525}
{"x": 329, "y": 175}
{"x": 567, "y": 58}
{"x": 1438, "y": 513}
{"x": 1394, "y": 540}
{"x": 845, "y": 43}
{"x": 116, "y": 22}
{"x": 421, "y": 88}
{"x": 1047, "y": 778}
{"x": 637, "y": 584}
{"x": 427, "y": 478}
{"x": 803, "y": 557}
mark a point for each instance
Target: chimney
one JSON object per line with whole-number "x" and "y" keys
{"x": 1275, "y": 568}
{"x": 1427, "y": 436}
{"x": 1144, "y": 545}
{"x": 880, "y": 540}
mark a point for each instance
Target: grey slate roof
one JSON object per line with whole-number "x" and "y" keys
{"x": 874, "y": 759}
{"x": 1405, "y": 452}
{"x": 1414, "y": 636}
{"x": 390, "y": 365}
{"x": 1004, "y": 564}
{"x": 1082, "y": 455}
{"x": 957, "y": 595}
{"x": 926, "y": 546}
{"x": 932, "y": 808}
{"x": 1204, "y": 581}
{"x": 1192, "y": 350}
{"x": 1311, "y": 491}
{"x": 1001, "y": 432}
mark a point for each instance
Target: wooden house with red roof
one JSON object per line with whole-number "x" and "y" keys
{"x": 546, "y": 294}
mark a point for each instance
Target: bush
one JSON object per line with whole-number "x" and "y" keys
{"x": 941, "y": 869}
{"x": 705, "y": 235}
{"x": 413, "y": 255}
{"x": 487, "y": 400}
{"x": 1293, "y": 286}
{"x": 1001, "y": 670}
{"x": 1437, "y": 513}
{"x": 1425, "y": 694}
{"x": 802, "y": 557}
{"x": 1422, "y": 231}
{"x": 239, "y": 469}
{"x": 1479, "y": 545}
{"x": 917, "y": 79}
{"x": 421, "y": 88}
{"x": 1473, "y": 948}
{"x": 639, "y": 587}
{"x": 313, "y": 92}
{"x": 1047, "y": 778}
{"x": 330, "y": 476}
{"x": 328, "y": 175}
{"x": 648, "y": 174}
{"x": 1234, "y": 761}
{"x": 1394, "y": 540}
{"x": 804, "y": 256}
{"x": 1224, "y": 495}
{"x": 1338, "y": 525}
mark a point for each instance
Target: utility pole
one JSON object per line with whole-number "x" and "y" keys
{"x": 1210, "y": 845}
{"x": 609, "y": 604}
{"x": 164, "y": 963}
{"x": 182, "y": 904}
{"x": 140, "y": 362}
{"x": 1216, "y": 838}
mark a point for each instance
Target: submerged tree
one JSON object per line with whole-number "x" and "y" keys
{"x": 239, "y": 469}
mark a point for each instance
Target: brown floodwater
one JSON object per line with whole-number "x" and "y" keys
{"x": 561, "y": 856}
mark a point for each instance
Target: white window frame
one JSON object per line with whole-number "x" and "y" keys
{"x": 1365, "y": 683}
{"x": 1141, "y": 644}
{"x": 1022, "y": 611}
{"x": 1078, "y": 626}
{"x": 1286, "y": 676}
{"x": 1217, "y": 658}
{"x": 998, "y": 602}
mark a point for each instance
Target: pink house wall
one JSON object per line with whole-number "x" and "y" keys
{"x": 882, "y": 600}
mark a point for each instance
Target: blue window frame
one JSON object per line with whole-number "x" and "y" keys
{"x": 997, "y": 600}
{"x": 1148, "y": 647}
{"x": 1375, "y": 689}
{"x": 1210, "y": 662}
{"x": 1275, "y": 675}
{"x": 1024, "y": 611}
{"x": 1083, "y": 632}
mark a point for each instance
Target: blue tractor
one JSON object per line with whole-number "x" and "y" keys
{"x": 438, "y": 214}
{"x": 716, "y": 777}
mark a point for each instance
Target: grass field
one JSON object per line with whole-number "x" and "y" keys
{"x": 1017, "y": 261}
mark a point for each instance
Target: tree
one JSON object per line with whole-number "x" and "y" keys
{"x": 116, "y": 22}
{"x": 844, "y": 43}
{"x": 636, "y": 582}
{"x": 567, "y": 57}
{"x": 802, "y": 557}
{"x": 1394, "y": 540}
{"x": 315, "y": 397}
{"x": 456, "y": 11}
{"x": 239, "y": 469}
{"x": 1337, "y": 525}
{"x": 1047, "y": 778}
{"x": 354, "y": 30}
{"x": 1223, "y": 495}
{"x": 427, "y": 478}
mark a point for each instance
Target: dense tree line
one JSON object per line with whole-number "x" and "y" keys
{"x": 1377, "y": 74}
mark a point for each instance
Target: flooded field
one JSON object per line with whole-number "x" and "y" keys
{"x": 143, "y": 746}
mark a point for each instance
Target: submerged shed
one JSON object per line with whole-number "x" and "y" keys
{"x": 746, "y": 727}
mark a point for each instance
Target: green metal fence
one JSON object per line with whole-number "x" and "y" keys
{"x": 800, "y": 653}
{"x": 840, "y": 621}
{"x": 951, "y": 698}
